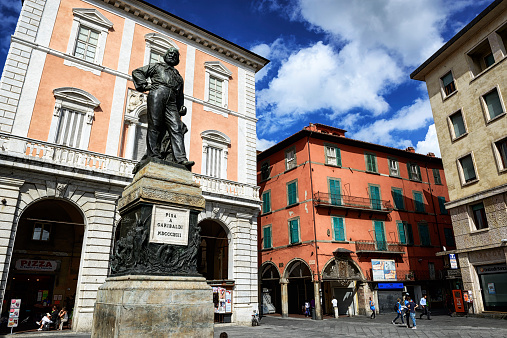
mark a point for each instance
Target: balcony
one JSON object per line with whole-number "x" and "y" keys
{"x": 379, "y": 247}
{"x": 51, "y": 153}
{"x": 352, "y": 203}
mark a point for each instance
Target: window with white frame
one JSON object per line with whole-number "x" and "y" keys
{"x": 394, "y": 169}
{"x": 492, "y": 103}
{"x": 457, "y": 125}
{"x": 333, "y": 155}
{"x": 216, "y": 84}
{"x": 72, "y": 118}
{"x": 88, "y": 38}
{"x": 466, "y": 169}
{"x": 156, "y": 47}
{"x": 448, "y": 84}
{"x": 290, "y": 158}
{"x": 414, "y": 171}
{"x": 215, "y": 145}
{"x": 500, "y": 150}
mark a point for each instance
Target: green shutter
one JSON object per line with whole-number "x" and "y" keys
{"x": 419, "y": 177}
{"x": 419, "y": 202}
{"x": 371, "y": 164}
{"x": 267, "y": 237}
{"x": 266, "y": 202}
{"x": 375, "y": 197}
{"x": 380, "y": 237}
{"x": 292, "y": 193}
{"x": 436, "y": 176}
{"x": 441, "y": 203}
{"x": 398, "y": 198}
{"x": 339, "y": 229}
{"x": 294, "y": 231}
{"x": 424, "y": 235}
{"x": 338, "y": 157}
{"x": 401, "y": 232}
{"x": 334, "y": 191}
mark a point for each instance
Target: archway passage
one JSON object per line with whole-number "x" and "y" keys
{"x": 270, "y": 290}
{"x": 300, "y": 287}
{"x": 339, "y": 277}
{"x": 213, "y": 256}
{"x": 45, "y": 262}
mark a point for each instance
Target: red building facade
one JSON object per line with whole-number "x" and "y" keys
{"x": 332, "y": 207}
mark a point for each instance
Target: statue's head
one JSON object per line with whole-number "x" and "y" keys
{"x": 172, "y": 56}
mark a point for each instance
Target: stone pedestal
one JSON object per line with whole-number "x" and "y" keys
{"x": 153, "y": 306}
{"x": 154, "y": 289}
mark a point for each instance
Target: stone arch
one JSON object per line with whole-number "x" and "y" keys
{"x": 351, "y": 263}
{"x": 271, "y": 298}
{"x": 271, "y": 264}
{"x": 287, "y": 271}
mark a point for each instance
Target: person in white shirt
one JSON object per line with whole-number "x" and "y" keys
{"x": 335, "y": 306}
{"x": 424, "y": 306}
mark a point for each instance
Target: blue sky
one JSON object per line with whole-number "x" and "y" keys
{"x": 338, "y": 62}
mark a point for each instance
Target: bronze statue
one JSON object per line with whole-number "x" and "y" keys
{"x": 164, "y": 138}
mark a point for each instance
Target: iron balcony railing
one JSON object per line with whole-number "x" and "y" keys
{"x": 379, "y": 247}
{"x": 352, "y": 202}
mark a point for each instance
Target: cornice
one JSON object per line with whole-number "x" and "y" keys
{"x": 188, "y": 31}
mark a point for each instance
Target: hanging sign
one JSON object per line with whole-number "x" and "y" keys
{"x": 452, "y": 260}
{"x": 169, "y": 225}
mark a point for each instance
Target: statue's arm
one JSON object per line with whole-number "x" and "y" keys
{"x": 180, "y": 101}
{"x": 140, "y": 78}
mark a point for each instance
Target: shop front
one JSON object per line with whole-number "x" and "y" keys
{"x": 493, "y": 283}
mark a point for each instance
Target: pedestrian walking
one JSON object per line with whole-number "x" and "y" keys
{"x": 372, "y": 308}
{"x": 407, "y": 311}
{"x": 424, "y": 306}
{"x": 307, "y": 309}
{"x": 411, "y": 307}
{"x": 334, "y": 301}
{"x": 400, "y": 308}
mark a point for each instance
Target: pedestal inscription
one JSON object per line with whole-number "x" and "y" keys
{"x": 169, "y": 225}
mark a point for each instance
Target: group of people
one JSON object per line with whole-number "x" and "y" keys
{"x": 56, "y": 317}
{"x": 406, "y": 307}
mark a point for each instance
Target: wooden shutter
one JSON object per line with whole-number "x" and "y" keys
{"x": 334, "y": 192}
{"x": 380, "y": 236}
{"x": 375, "y": 197}
{"x": 339, "y": 230}
{"x": 267, "y": 237}
{"x": 294, "y": 231}
{"x": 401, "y": 233}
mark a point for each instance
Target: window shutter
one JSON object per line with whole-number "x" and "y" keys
{"x": 339, "y": 230}
{"x": 401, "y": 233}
{"x": 424, "y": 233}
{"x": 409, "y": 234}
{"x": 334, "y": 191}
{"x": 441, "y": 203}
{"x": 375, "y": 197}
{"x": 380, "y": 236}
{"x": 294, "y": 236}
{"x": 292, "y": 191}
{"x": 419, "y": 177}
{"x": 267, "y": 237}
{"x": 338, "y": 157}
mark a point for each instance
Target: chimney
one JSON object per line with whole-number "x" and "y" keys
{"x": 430, "y": 155}
{"x": 410, "y": 149}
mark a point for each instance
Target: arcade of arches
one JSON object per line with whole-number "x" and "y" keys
{"x": 287, "y": 293}
{"x": 45, "y": 263}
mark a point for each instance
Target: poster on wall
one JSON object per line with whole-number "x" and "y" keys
{"x": 491, "y": 289}
{"x": 228, "y": 301}
{"x": 221, "y": 300}
{"x": 14, "y": 313}
{"x": 383, "y": 270}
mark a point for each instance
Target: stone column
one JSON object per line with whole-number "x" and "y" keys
{"x": 318, "y": 306}
{"x": 285, "y": 297}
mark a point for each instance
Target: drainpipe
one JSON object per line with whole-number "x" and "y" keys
{"x": 317, "y": 286}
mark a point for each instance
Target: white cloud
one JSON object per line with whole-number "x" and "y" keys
{"x": 409, "y": 118}
{"x": 430, "y": 142}
{"x": 263, "y": 144}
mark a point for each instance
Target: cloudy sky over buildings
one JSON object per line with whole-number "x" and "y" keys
{"x": 338, "y": 62}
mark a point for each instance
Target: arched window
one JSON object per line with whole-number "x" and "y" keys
{"x": 215, "y": 145}
{"x": 72, "y": 117}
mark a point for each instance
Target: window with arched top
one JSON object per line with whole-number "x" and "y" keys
{"x": 215, "y": 145}
{"x": 73, "y": 117}
{"x": 156, "y": 47}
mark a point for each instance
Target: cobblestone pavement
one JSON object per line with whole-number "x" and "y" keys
{"x": 439, "y": 326}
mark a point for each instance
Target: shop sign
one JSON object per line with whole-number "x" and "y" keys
{"x": 14, "y": 313}
{"x": 169, "y": 225}
{"x": 492, "y": 269}
{"x": 36, "y": 265}
{"x": 390, "y": 286}
{"x": 383, "y": 270}
{"x": 452, "y": 260}
{"x": 454, "y": 273}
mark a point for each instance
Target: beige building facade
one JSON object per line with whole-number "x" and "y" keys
{"x": 467, "y": 86}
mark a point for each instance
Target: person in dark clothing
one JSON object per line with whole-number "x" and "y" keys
{"x": 411, "y": 307}
{"x": 54, "y": 316}
{"x": 399, "y": 310}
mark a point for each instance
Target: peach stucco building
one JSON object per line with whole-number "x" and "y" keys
{"x": 72, "y": 127}
{"x": 335, "y": 209}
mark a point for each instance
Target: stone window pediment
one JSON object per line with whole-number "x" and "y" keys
{"x": 216, "y": 91}
{"x": 156, "y": 44}
{"x": 91, "y": 15}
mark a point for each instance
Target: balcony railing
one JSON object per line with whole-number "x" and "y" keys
{"x": 382, "y": 247}
{"x": 352, "y": 202}
{"x": 225, "y": 187}
{"x": 62, "y": 155}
